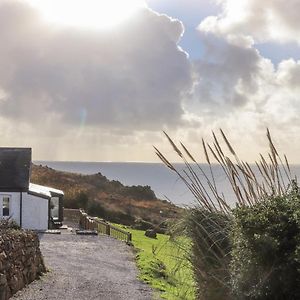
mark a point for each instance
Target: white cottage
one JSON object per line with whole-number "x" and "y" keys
{"x": 32, "y": 206}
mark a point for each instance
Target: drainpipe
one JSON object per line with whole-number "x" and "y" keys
{"x": 21, "y": 208}
{"x": 49, "y": 214}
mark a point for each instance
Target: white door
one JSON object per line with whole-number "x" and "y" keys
{"x": 5, "y": 206}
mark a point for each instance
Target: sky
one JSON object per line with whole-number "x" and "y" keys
{"x": 95, "y": 80}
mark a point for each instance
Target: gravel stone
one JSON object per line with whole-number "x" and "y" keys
{"x": 86, "y": 268}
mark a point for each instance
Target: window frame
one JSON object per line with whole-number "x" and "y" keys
{"x": 6, "y": 210}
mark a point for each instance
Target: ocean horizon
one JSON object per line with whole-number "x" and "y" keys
{"x": 165, "y": 183}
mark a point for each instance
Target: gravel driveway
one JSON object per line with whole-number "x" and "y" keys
{"x": 86, "y": 268}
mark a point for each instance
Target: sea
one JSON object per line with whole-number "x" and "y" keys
{"x": 164, "y": 182}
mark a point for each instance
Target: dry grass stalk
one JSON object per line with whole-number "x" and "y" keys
{"x": 273, "y": 177}
{"x": 209, "y": 224}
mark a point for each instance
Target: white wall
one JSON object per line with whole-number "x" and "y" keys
{"x": 35, "y": 212}
{"x": 14, "y": 205}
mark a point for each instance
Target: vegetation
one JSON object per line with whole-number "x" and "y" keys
{"x": 247, "y": 252}
{"x": 266, "y": 249}
{"x": 163, "y": 263}
{"x": 109, "y": 199}
{"x": 210, "y": 255}
{"x": 138, "y": 192}
{"x": 9, "y": 224}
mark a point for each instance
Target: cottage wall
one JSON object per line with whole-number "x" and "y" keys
{"x": 14, "y": 205}
{"x": 35, "y": 212}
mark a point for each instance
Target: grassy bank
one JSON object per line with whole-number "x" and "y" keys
{"x": 163, "y": 265}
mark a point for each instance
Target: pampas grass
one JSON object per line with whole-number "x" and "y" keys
{"x": 272, "y": 176}
{"x": 209, "y": 223}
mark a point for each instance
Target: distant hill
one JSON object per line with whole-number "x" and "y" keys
{"x": 109, "y": 199}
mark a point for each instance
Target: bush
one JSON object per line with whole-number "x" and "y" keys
{"x": 95, "y": 209}
{"x": 266, "y": 249}
{"x": 141, "y": 224}
{"x": 9, "y": 224}
{"x": 82, "y": 200}
{"x": 138, "y": 192}
{"x": 77, "y": 199}
{"x": 119, "y": 217}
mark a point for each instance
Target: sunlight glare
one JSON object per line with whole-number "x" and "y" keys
{"x": 98, "y": 14}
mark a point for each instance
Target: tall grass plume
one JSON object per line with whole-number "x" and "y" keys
{"x": 209, "y": 224}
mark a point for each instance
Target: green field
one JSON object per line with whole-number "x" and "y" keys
{"x": 163, "y": 265}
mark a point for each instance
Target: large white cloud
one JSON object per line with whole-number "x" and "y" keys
{"x": 133, "y": 77}
{"x": 227, "y": 73}
{"x": 270, "y": 20}
{"x": 234, "y": 73}
{"x": 239, "y": 89}
{"x": 113, "y": 91}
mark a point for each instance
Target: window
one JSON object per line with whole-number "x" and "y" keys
{"x": 5, "y": 206}
{"x": 55, "y": 207}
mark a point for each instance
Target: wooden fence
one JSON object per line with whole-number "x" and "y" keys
{"x": 89, "y": 223}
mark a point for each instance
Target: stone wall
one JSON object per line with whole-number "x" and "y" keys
{"x": 72, "y": 215}
{"x": 21, "y": 261}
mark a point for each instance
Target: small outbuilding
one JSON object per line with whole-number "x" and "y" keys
{"x": 32, "y": 206}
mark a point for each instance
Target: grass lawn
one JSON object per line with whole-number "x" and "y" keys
{"x": 163, "y": 265}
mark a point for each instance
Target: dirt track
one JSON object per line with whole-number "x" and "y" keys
{"x": 86, "y": 268}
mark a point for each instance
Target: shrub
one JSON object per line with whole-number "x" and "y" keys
{"x": 82, "y": 200}
{"x": 76, "y": 198}
{"x": 141, "y": 224}
{"x": 266, "y": 249}
{"x": 119, "y": 217}
{"x": 8, "y": 224}
{"x": 95, "y": 209}
{"x": 138, "y": 192}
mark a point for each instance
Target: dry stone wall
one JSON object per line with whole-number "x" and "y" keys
{"x": 72, "y": 215}
{"x": 21, "y": 261}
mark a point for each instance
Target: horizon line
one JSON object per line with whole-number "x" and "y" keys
{"x": 128, "y": 162}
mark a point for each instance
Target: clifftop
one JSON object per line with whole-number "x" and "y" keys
{"x": 108, "y": 199}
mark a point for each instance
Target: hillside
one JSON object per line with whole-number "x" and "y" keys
{"x": 105, "y": 198}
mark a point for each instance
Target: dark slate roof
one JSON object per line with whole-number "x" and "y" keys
{"x": 15, "y": 165}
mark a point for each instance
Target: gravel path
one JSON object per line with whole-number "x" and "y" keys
{"x": 86, "y": 268}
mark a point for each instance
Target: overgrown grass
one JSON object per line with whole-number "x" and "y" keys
{"x": 163, "y": 264}
{"x": 219, "y": 238}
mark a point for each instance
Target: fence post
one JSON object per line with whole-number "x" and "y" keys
{"x": 107, "y": 229}
{"x": 86, "y": 223}
{"x": 129, "y": 237}
{"x": 81, "y": 219}
{"x": 89, "y": 223}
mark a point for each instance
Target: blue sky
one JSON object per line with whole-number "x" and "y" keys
{"x": 192, "y": 12}
{"x": 278, "y": 52}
